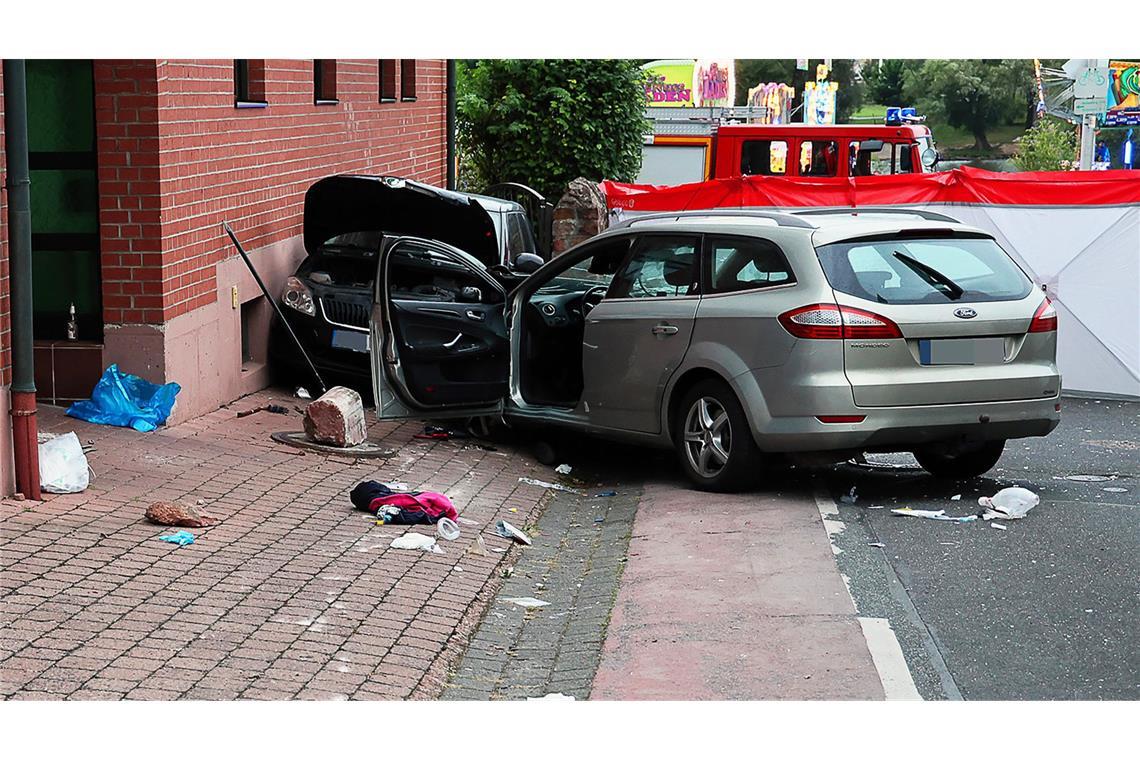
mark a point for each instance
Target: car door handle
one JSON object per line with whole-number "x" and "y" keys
{"x": 477, "y": 316}
{"x": 664, "y": 329}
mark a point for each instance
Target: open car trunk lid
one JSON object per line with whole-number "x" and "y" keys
{"x": 346, "y": 203}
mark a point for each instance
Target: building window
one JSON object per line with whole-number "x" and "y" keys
{"x": 408, "y": 79}
{"x": 388, "y": 80}
{"x": 324, "y": 82}
{"x": 249, "y": 83}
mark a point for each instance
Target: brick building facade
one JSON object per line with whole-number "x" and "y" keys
{"x": 177, "y": 148}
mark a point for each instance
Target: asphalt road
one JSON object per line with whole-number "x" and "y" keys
{"x": 1046, "y": 609}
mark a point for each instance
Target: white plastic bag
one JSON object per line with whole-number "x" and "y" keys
{"x": 63, "y": 465}
{"x": 1009, "y": 503}
{"x": 416, "y": 541}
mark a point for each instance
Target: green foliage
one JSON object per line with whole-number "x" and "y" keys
{"x": 1050, "y": 145}
{"x": 970, "y": 93}
{"x": 545, "y": 122}
{"x": 751, "y": 72}
{"x": 885, "y": 81}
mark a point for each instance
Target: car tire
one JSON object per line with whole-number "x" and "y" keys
{"x": 961, "y": 464}
{"x": 714, "y": 440}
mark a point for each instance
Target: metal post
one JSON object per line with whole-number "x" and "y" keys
{"x": 25, "y": 441}
{"x": 1088, "y": 142}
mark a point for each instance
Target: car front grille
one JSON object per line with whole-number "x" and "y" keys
{"x": 345, "y": 313}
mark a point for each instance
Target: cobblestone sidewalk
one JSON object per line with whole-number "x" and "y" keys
{"x": 293, "y": 595}
{"x": 575, "y": 564}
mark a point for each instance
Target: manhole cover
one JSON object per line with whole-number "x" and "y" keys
{"x": 1113, "y": 444}
{"x": 1090, "y": 478}
{"x": 365, "y": 450}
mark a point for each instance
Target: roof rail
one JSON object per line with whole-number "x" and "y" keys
{"x": 930, "y": 216}
{"x": 781, "y": 218}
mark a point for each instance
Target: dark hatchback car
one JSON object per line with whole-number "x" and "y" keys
{"x": 328, "y": 300}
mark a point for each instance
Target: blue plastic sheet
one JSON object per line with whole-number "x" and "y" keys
{"x": 182, "y": 538}
{"x": 126, "y": 401}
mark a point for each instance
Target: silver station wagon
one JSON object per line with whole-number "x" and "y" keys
{"x": 733, "y": 336}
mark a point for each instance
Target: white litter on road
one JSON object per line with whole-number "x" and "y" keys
{"x": 416, "y": 541}
{"x": 931, "y": 514}
{"x": 506, "y": 530}
{"x": 1009, "y": 503}
{"x": 544, "y": 484}
{"x": 956, "y": 497}
{"x": 999, "y": 526}
{"x": 526, "y": 601}
{"x": 563, "y": 469}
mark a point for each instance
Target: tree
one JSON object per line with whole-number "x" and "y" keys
{"x": 885, "y": 80}
{"x": 970, "y": 93}
{"x": 1050, "y": 145}
{"x": 545, "y": 122}
{"x": 751, "y": 72}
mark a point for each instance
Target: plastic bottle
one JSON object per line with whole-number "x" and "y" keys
{"x": 72, "y": 324}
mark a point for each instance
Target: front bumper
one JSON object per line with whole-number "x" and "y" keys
{"x": 315, "y": 335}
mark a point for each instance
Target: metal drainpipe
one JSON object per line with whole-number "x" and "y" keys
{"x": 450, "y": 123}
{"x": 24, "y": 429}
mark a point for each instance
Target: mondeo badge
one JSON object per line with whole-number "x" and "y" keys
{"x": 965, "y": 313}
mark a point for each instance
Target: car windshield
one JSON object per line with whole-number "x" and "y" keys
{"x": 923, "y": 270}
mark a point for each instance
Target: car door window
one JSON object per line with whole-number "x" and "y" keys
{"x": 519, "y": 237}
{"x": 746, "y": 263}
{"x": 819, "y": 158}
{"x": 418, "y": 273}
{"x": 660, "y": 266}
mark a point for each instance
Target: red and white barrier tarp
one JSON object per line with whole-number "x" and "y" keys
{"x": 1077, "y": 233}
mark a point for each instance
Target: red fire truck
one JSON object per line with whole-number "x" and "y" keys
{"x": 692, "y": 145}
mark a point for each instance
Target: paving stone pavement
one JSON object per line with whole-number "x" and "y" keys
{"x": 575, "y": 564}
{"x": 292, "y": 595}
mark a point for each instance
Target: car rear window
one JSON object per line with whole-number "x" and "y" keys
{"x": 903, "y": 269}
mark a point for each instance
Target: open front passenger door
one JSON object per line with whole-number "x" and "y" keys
{"x": 440, "y": 346}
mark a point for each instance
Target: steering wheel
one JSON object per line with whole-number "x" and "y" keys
{"x": 593, "y": 297}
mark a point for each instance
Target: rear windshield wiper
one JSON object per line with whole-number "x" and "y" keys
{"x": 931, "y": 275}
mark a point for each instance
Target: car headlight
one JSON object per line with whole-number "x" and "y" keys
{"x": 298, "y": 296}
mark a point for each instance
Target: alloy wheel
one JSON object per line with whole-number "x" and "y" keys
{"x": 708, "y": 437}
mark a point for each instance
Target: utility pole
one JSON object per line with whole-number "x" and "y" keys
{"x": 1088, "y": 142}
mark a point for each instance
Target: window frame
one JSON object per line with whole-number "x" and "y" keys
{"x": 324, "y": 74}
{"x": 788, "y": 155}
{"x": 407, "y": 83}
{"x": 708, "y": 272}
{"x": 388, "y": 85}
{"x": 249, "y": 83}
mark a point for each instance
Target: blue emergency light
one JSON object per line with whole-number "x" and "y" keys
{"x": 897, "y": 116}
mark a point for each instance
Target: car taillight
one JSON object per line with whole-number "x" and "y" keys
{"x": 1045, "y": 318}
{"x": 826, "y": 321}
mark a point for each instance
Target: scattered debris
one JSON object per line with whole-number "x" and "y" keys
{"x": 396, "y": 485}
{"x": 513, "y": 509}
{"x": 544, "y": 484}
{"x": 877, "y": 506}
{"x": 416, "y": 541}
{"x": 506, "y": 530}
{"x": 1115, "y": 489}
{"x": 302, "y": 392}
{"x": 526, "y": 601}
{"x": 63, "y": 465}
{"x": 479, "y": 547}
{"x": 563, "y": 469}
{"x": 507, "y": 572}
{"x": 447, "y": 529}
{"x": 336, "y": 418}
{"x": 604, "y": 494}
{"x": 849, "y": 497}
{"x": 182, "y": 538}
{"x": 437, "y": 433}
{"x": 931, "y": 514}
{"x": 599, "y": 519}
{"x": 1009, "y": 503}
{"x": 271, "y": 408}
{"x": 956, "y": 497}
{"x": 555, "y": 697}
{"x": 465, "y": 521}
{"x": 178, "y": 515}
{"x": 877, "y": 545}
{"x": 999, "y": 526}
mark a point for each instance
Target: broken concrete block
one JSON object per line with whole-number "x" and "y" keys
{"x": 166, "y": 513}
{"x": 336, "y": 418}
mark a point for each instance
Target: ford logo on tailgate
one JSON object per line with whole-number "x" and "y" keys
{"x": 965, "y": 313}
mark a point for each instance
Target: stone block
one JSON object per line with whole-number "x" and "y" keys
{"x": 336, "y": 418}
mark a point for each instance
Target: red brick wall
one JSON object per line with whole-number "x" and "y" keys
{"x": 126, "y": 134}
{"x": 251, "y": 167}
{"x": 5, "y": 306}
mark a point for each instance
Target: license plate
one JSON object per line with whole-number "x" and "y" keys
{"x": 962, "y": 351}
{"x": 351, "y": 340}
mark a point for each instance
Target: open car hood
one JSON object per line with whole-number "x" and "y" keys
{"x": 357, "y": 203}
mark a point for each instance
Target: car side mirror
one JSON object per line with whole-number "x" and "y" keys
{"x": 929, "y": 158}
{"x": 527, "y": 262}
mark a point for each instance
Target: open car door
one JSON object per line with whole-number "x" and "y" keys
{"x": 440, "y": 346}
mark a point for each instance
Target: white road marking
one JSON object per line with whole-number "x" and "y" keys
{"x": 884, "y": 647}
{"x": 889, "y": 660}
